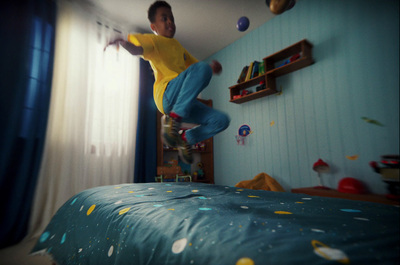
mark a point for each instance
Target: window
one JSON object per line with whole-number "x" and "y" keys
{"x": 112, "y": 99}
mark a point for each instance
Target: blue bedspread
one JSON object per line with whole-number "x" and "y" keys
{"x": 193, "y": 223}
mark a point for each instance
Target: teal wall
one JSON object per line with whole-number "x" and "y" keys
{"x": 318, "y": 115}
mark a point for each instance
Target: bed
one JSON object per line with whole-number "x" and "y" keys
{"x": 195, "y": 223}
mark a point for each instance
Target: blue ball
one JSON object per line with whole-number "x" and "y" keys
{"x": 243, "y": 24}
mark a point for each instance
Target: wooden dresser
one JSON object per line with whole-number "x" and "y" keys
{"x": 336, "y": 194}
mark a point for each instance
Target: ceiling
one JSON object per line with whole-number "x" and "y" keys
{"x": 203, "y": 27}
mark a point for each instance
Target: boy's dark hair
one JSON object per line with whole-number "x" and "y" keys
{"x": 151, "y": 13}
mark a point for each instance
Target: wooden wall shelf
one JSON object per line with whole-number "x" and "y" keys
{"x": 303, "y": 47}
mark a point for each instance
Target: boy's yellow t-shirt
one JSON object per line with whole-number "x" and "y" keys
{"x": 167, "y": 58}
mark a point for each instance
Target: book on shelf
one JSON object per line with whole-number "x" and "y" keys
{"x": 261, "y": 68}
{"x": 243, "y": 74}
{"x": 255, "y": 70}
{"x": 249, "y": 71}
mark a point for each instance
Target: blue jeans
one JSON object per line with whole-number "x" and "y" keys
{"x": 180, "y": 97}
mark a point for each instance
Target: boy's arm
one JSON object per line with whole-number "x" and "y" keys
{"x": 130, "y": 47}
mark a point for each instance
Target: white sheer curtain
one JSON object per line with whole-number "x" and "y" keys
{"x": 93, "y": 114}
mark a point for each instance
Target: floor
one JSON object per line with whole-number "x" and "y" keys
{"x": 19, "y": 255}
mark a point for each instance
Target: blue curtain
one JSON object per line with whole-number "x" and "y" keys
{"x": 146, "y": 137}
{"x": 26, "y": 66}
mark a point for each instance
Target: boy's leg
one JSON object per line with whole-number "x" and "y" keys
{"x": 178, "y": 99}
{"x": 181, "y": 104}
{"x": 170, "y": 133}
{"x": 211, "y": 121}
{"x": 183, "y": 90}
{"x": 170, "y": 128}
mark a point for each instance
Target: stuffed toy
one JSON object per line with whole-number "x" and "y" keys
{"x": 262, "y": 181}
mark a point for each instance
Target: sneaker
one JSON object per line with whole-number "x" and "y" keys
{"x": 184, "y": 151}
{"x": 170, "y": 130}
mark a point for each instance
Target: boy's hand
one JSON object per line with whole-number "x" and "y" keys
{"x": 132, "y": 49}
{"x": 116, "y": 42}
{"x": 216, "y": 67}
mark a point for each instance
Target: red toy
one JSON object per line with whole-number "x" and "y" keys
{"x": 352, "y": 185}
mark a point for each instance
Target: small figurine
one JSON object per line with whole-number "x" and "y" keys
{"x": 200, "y": 172}
{"x": 321, "y": 167}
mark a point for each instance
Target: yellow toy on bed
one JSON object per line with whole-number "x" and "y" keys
{"x": 262, "y": 181}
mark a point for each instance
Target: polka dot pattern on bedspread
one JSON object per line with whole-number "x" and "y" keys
{"x": 194, "y": 223}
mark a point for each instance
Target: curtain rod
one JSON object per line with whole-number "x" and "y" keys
{"x": 106, "y": 26}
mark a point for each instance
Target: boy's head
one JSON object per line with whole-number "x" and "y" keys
{"x": 161, "y": 19}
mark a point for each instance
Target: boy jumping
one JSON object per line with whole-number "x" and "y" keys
{"x": 179, "y": 79}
